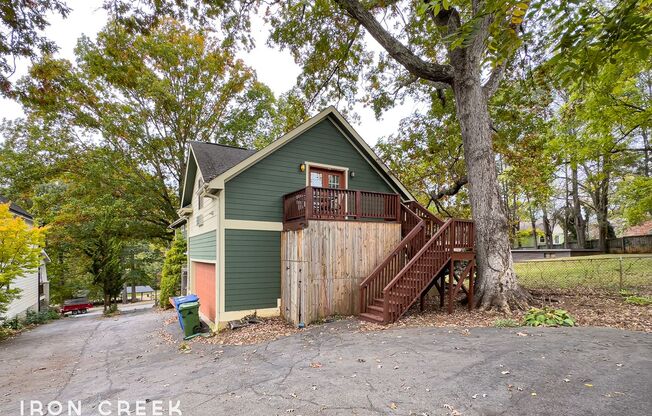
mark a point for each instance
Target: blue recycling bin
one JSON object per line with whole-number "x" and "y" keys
{"x": 180, "y": 300}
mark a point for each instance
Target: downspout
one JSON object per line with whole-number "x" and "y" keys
{"x": 212, "y": 193}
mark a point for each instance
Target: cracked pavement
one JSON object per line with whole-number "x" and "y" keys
{"x": 333, "y": 370}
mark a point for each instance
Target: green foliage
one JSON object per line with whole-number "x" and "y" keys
{"x": 14, "y": 326}
{"x": 20, "y": 252}
{"x": 175, "y": 259}
{"x": 21, "y": 25}
{"x": 639, "y": 300}
{"x": 589, "y": 34}
{"x": 547, "y": 316}
{"x": 38, "y": 318}
{"x": 112, "y": 310}
{"x": 506, "y": 323}
{"x": 635, "y": 195}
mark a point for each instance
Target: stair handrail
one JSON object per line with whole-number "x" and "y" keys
{"x": 416, "y": 257}
{"x": 404, "y": 242}
{"x": 415, "y": 206}
{"x": 447, "y": 247}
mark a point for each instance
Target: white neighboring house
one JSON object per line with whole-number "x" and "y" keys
{"x": 34, "y": 286}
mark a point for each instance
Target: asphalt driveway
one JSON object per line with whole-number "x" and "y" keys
{"x": 330, "y": 370}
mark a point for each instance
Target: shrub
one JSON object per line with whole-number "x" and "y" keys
{"x": 639, "y": 300}
{"x": 37, "y": 318}
{"x": 548, "y": 317}
{"x": 6, "y": 332}
{"x": 506, "y": 323}
{"x": 14, "y": 324}
{"x": 111, "y": 310}
{"x": 175, "y": 258}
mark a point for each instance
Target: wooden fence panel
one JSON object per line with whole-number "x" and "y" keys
{"x": 324, "y": 263}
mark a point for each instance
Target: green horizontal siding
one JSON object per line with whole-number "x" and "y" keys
{"x": 203, "y": 246}
{"x": 257, "y": 193}
{"x": 252, "y": 269}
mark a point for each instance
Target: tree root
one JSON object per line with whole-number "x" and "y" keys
{"x": 505, "y": 302}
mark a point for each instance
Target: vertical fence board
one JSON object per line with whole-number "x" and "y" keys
{"x": 324, "y": 263}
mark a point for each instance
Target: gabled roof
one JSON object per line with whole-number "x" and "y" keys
{"x": 337, "y": 118}
{"x": 16, "y": 209}
{"x": 140, "y": 289}
{"x": 214, "y": 159}
{"x": 218, "y": 163}
{"x": 209, "y": 160}
{"x": 644, "y": 228}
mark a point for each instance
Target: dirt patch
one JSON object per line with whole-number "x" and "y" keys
{"x": 435, "y": 317}
{"x": 605, "y": 311}
{"x": 269, "y": 329}
{"x": 608, "y": 311}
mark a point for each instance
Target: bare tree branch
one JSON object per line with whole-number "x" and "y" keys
{"x": 490, "y": 87}
{"x": 451, "y": 190}
{"x": 403, "y": 55}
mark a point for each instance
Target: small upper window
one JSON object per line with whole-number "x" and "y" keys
{"x": 542, "y": 239}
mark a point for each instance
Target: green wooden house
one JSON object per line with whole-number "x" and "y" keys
{"x": 296, "y": 227}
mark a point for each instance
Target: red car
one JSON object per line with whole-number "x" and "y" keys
{"x": 76, "y": 306}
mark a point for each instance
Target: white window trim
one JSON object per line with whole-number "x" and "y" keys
{"x": 328, "y": 167}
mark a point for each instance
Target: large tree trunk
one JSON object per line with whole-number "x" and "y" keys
{"x": 496, "y": 285}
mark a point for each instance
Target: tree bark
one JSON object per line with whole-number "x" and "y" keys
{"x": 578, "y": 219}
{"x": 496, "y": 285}
{"x": 547, "y": 228}
{"x": 533, "y": 228}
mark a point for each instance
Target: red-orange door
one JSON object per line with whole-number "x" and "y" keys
{"x": 205, "y": 287}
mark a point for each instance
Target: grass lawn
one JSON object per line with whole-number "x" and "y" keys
{"x": 601, "y": 272}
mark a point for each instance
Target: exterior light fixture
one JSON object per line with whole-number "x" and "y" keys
{"x": 302, "y": 167}
{"x": 353, "y": 174}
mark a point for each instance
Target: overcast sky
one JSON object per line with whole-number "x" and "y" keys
{"x": 87, "y": 17}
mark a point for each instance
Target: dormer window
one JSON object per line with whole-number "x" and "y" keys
{"x": 200, "y": 199}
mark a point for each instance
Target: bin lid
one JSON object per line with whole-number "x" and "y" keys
{"x": 188, "y": 305}
{"x": 185, "y": 299}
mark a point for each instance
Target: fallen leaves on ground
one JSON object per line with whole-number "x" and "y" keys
{"x": 609, "y": 311}
{"x": 587, "y": 310}
{"x": 267, "y": 330}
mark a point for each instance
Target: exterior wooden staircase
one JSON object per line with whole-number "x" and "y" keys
{"x": 426, "y": 257}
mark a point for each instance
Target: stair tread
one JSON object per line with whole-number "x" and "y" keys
{"x": 426, "y": 269}
{"x": 371, "y": 317}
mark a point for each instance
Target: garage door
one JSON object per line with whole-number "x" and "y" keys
{"x": 205, "y": 287}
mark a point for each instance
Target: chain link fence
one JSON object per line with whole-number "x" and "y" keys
{"x": 590, "y": 274}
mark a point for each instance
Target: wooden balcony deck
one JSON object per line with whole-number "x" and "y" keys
{"x": 330, "y": 204}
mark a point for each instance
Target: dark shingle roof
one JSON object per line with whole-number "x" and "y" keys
{"x": 140, "y": 289}
{"x": 16, "y": 209}
{"x": 214, "y": 159}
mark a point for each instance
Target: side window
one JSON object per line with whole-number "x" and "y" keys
{"x": 316, "y": 179}
{"x": 333, "y": 181}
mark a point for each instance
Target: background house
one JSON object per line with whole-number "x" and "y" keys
{"x": 525, "y": 239}
{"x": 142, "y": 292}
{"x": 34, "y": 286}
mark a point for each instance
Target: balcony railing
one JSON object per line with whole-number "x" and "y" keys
{"x": 312, "y": 203}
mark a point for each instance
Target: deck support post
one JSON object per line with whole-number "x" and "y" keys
{"x": 451, "y": 276}
{"x": 470, "y": 294}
